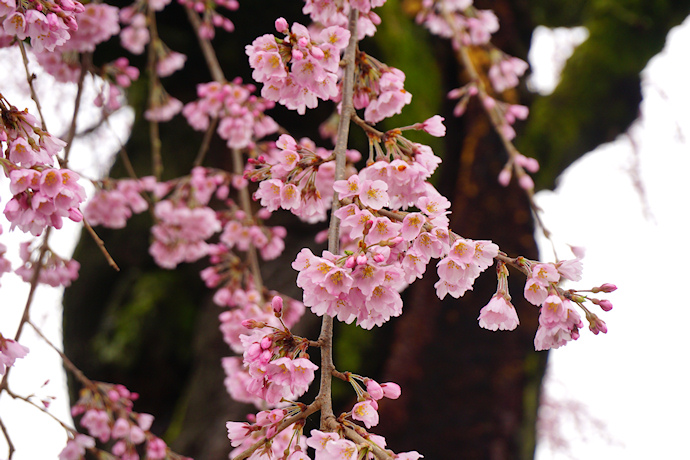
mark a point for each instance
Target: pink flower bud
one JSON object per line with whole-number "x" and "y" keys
{"x": 489, "y": 102}
{"x": 526, "y": 182}
{"x": 281, "y": 25}
{"x": 391, "y": 390}
{"x": 277, "y": 304}
{"x": 317, "y": 53}
{"x": 605, "y": 305}
{"x": 606, "y": 287}
{"x": 504, "y": 177}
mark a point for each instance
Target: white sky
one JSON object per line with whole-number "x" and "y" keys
{"x": 634, "y": 378}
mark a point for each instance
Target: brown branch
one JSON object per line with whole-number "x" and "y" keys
{"x": 154, "y": 132}
{"x": 101, "y": 245}
{"x": 206, "y": 142}
{"x": 353, "y": 435}
{"x": 496, "y": 120}
{"x": 29, "y": 300}
{"x": 346, "y": 112}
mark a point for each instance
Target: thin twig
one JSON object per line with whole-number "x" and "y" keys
{"x": 101, "y": 245}
{"x": 68, "y": 363}
{"x": 206, "y": 48}
{"x": 30, "y": 78}
{"x": 42, "y": 409}
{"x": 246, "y": 205}
{"x": 154, "y": 132}
{"x": 10, "y": 445}
{"x": 206, "y": 142}
{"x": 30, "y": 298}
{"x": 85, "y": 61}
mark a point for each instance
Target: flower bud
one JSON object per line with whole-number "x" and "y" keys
{"x": 281, "y": 25}
{"x": 277, "y": 304}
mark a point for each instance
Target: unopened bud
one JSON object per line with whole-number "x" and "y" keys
{"x": 605, "y": 305}
{"x": 277, "y": 304}
{"x": 526, "y": 182}
{"x": 252, "y": 324}
{"x": 606, "y": 287}
{"x": 281, "y": 25}
{"x": 596, "y": 326}
{"x": 504, "y": 177}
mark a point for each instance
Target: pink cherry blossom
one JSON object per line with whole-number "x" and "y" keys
{"x": 499, "y": 313}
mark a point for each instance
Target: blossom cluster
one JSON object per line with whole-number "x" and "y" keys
{"x": 379, "y": 89}
{"x": 184, "y": 221}
{"x": 297, "y": 177}
{"x": 450, "y": 18}
{"x": 243, "y": 435}
{"x": 54, "y": 270}
{"x": 335, "y": 446}
{"x": 43, "y": 195}
{"x": 240, "y": 114}
{"x": 106, "y": 413}
{"x": 300, "y": 68}
{"x": 335, "y": 13}
{"x": 48, "y": 24}
{"x": 115, "y": 202}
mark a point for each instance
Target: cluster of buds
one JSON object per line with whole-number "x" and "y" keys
{"x": 276, "y": 361}
{"x": 458, "y": 19}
